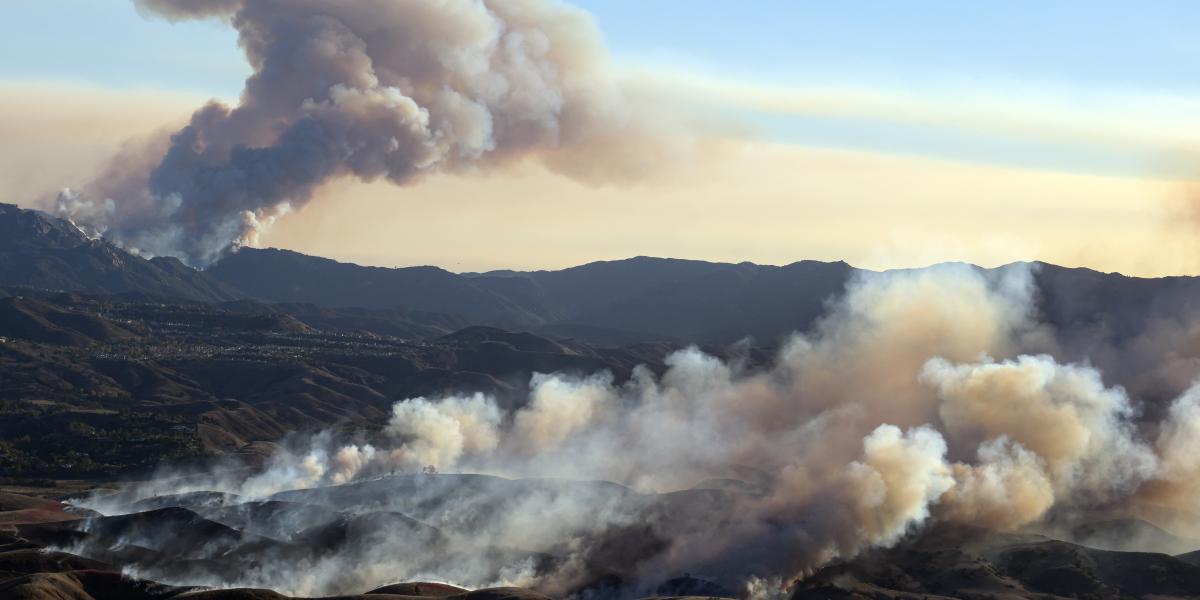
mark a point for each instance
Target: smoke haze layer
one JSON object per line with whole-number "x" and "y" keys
{"x": 375, "y": 90}
{"x": 928, "y": 395}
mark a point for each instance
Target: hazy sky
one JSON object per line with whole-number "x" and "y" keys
{"x": 882, "y": 133}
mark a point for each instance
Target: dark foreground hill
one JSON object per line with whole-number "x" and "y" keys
{"x": 958, "y": 562}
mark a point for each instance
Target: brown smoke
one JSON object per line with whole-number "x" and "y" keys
{"x": 370, "y": 89}
{"x": 922, "y": 396}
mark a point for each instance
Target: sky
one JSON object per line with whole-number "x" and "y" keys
{"x": 881, "y": 133}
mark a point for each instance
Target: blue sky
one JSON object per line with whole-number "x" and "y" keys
{"x": 1103, "y": 43}
{"x": 107, "y": 43}
{"x": 1092, "y": 66}
{"x": 1101, "y": 69}
{"x": 1099, "y": 43}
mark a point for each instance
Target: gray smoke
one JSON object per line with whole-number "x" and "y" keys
{"x": 922, "y": 396}
{"x": 374, "y": 89}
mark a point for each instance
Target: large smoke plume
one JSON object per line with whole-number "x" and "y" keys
{"x": 922, "y": 395}
{"x": 370, "y": 89}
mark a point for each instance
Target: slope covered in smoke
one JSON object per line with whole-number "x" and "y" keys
{"x": 45, "y": 252}
{"x": 922, "y": 402}
{"x": 302, "y": 545}
{"x": 1141, "y": 333}
{"x": 31, "y": 571}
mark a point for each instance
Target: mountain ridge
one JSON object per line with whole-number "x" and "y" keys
{"x": 41, "y": 251}
{"x": 616, "y": 302}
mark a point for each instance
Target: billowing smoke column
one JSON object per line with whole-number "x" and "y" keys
{"x": 922, "y": 395}
{"x": 371, "y": 89}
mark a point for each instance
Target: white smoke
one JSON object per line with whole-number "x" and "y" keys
{"x": 439, "y": 433}
{"x": 899, "y": 477}
{"x": 922, "y": 396}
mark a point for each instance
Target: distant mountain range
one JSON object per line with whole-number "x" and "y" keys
{"x": 607, "y": 303}
{"x": 638, "y": 299}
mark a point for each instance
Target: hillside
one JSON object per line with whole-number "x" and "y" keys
{"x": 44, "y": 252}
{"x": 101, "y": 385}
